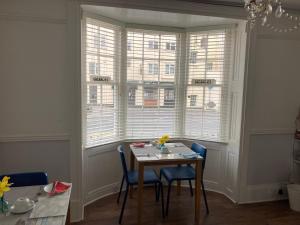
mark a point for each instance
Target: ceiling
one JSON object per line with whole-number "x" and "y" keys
{"x": 157, "y": 18}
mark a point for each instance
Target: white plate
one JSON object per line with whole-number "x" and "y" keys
{"x": 15, "y": 210}
{"x": 48, "y": 188}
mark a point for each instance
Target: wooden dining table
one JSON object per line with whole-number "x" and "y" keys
{"x": 48, "y": 210}
{"x": 150, "y": 155}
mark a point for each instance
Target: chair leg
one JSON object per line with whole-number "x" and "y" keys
{"x": 156, "y": 191}
{"x": 204, "y": 195}
{"x": 162, "y": 199}
{"x": 159, "y": 188}
{"x": 191, "y": 187}
{"x": 124, "y": 203}
{"x": 118, "y": 200}
{"x": 168, "y": 198}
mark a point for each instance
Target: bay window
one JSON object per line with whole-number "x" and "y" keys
{"x": 141, "y": 90}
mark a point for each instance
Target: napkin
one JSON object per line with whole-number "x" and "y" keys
{"x": 52, "y": 205}
{"x": 138, "y": 145}
{"x": 59, "y": 187}
{"x": 189, "y": 155}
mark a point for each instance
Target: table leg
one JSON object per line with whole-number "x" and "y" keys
{"x": 68, "y": 220}
{"x": 131, "y": 161}
{"x": 178, "y": 187}
{"x": 198, "y": 191}
{"x": 131, "y": 169}
{"x": 140, "y": 192}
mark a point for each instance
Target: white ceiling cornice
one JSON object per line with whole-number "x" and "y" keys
{"x": 289, "y": 4}
{"x": 175, "y": 6}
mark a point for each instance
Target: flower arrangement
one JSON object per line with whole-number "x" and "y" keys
{"x": 163, "y": 139}
{"x": 4, "y": 187}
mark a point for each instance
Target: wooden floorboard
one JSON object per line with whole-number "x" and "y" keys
{"x": 222, "y": 211}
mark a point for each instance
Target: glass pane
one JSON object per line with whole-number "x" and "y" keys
{"x": 167, "y": 97}
{"x": 150, "y": 97}
{"x": 151, "y": 70}
{"x": 107, "y": 67}
{"x": 151, "y": 46}
{"x": 101, "y": 117}
{"x": 168, "y": 49}
{"x": 135, "y": 40}
{"x": 167, "y": 71}
{"x": 134, "y": 70}
{"x": 194, "y": 97}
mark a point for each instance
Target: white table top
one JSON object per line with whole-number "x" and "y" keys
{"x": 152, "y": 153}
{"x": 32, "y": 193}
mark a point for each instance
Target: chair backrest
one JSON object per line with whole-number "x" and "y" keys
{"x": 201, "y": 150}
{"x": 123, "y": 161}
{"x": 27, "y": 179}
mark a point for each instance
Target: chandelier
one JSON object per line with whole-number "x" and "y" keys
{"x": 262, "y": 10}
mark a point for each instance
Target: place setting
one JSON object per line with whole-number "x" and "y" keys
{"x": 26, "y": 205}
{"x": 162, "y": 148}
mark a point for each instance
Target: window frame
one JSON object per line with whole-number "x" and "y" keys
{"x": 153, "y": 69}
{"x": 169, "y": 67}
{"x": 91, "y": 99}
{"x": 96, "y": 68}
{"x": 153, "y": 44}
{"x": 225, "y": 95}
{"x": 113, "y": 83}
{"x": 171, "y": 46}
{"x": 193, "y": 57}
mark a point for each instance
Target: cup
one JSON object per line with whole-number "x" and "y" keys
{"x": 22, "y": 204}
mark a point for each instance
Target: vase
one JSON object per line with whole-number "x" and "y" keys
{"x": 163, "y": 149}
{"x": 3, "y": 205}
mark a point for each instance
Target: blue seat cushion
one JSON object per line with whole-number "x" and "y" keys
{"x": 150, "y": 177}
{"x": 178, "y": 173}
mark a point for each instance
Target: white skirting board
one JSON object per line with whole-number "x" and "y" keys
{"x": 101, "y": 192}
{"x": 261, "y": 193}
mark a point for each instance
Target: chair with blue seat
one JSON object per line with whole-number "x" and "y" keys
{"x": 131, "y": 178}
{"x": 27, "y": 179}
{"x": 185, "y": 173}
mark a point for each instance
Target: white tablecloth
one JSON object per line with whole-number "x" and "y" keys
{"x": 32, "y": 193}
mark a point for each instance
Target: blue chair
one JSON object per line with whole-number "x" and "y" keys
{"x": 131, "y": 178}
{"x": 187, "y": 173}
{"x": 27, "y": 179}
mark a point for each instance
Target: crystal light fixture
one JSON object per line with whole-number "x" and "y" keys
{"x": 261, "y": 10}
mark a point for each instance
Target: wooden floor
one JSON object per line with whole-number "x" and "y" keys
{"x": 222, "y": 211}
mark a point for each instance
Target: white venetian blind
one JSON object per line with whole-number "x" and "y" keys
{"x": 101, "y": 82}
{"x": 152, "y": 71}
{"x": 207, "y": 103}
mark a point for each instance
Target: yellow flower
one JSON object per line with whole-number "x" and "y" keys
{"x": 4, "y": 185}
{"x": 161, "y": 141}
{"x": 165, "y": 137}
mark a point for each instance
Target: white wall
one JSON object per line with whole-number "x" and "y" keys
{"x": 271, "y": 107}
{"x": 36, "y": 89}
{"x": 49, "y": 156}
